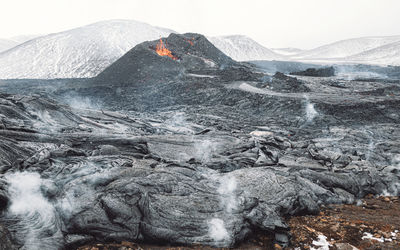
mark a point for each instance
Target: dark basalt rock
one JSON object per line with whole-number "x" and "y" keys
{"x": 281, "y": 76}
{"x": 119, "y": 182}
{"x": 286, "y": 83}
{"x": 322, "y": 72}
{"x": 5, "y": 240}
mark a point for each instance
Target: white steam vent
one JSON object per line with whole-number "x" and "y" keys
{"x": 34, "y": 213}
{"x": 217, "y": 230}
{"x": 227, "y": 190}
{"x": 229, "y": 203}
{"x": 204, "y": 150}
{"x": 311, "y": 112}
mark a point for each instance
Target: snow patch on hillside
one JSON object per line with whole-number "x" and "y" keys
{"x": 242, "y": 48}
{"x": 287, "y": 51}
{"x": 346, "y": 48}
{"x": 6, "y": 44}
{"x": 387, "y": 55}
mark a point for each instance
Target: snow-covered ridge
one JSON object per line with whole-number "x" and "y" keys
{"x": 388, "y": 55}
{"x": 287, "y": 51}
{"x": 346, "y": 48}
{"x": 243, "y": 48}
{"x": 381, "y": 50}
{"x": 23, "y": 38}
{"x": 6, "y": 44}
{"x": 80, "y": 52}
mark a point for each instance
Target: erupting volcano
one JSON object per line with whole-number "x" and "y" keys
{"x": 162, "y": 50}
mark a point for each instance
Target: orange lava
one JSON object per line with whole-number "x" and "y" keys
{"x": 190, "y": 41}
{"x": 162, "y": 50}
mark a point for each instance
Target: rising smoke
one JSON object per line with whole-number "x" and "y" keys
{"x": 229, "y": 203}
{"x": 33, "y": 213}
{"x": 227, "y": 190}
{"x": 310, "y": 111}
{"x": 204, "y": 150}
{"x": 217, "y": 230}
{"x": 74, "y": 100}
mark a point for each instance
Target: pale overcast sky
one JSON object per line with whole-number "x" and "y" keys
{"x": 279, "y": 23}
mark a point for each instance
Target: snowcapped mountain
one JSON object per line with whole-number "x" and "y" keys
{"x": 6, "y": 44}
{"x": 23, "y": 38}
{"x": 388, "y": 54}
{"x": 346, "y": 48}
{"x": 243, "y": 48}
{"x": 287, "y": 51}
{"x": 80, "y": 52}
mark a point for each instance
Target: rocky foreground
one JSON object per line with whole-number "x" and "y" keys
{"x": 372, "y": 223}
{"x": 194, "y": 149}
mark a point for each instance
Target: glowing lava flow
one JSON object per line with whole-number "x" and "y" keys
{"x": 162, "y": 50}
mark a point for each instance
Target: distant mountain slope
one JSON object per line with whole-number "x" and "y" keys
{"x": 346, "y": 48}
{"x": 387, "y": 55}
{"x": 80, "y": 52}
{"x": 243, "y": 48}
{"x": 24, "y": 38}
{"x": 6, "y": 44}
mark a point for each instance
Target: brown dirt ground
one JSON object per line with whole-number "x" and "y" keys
{"x": 339, "y": 223}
